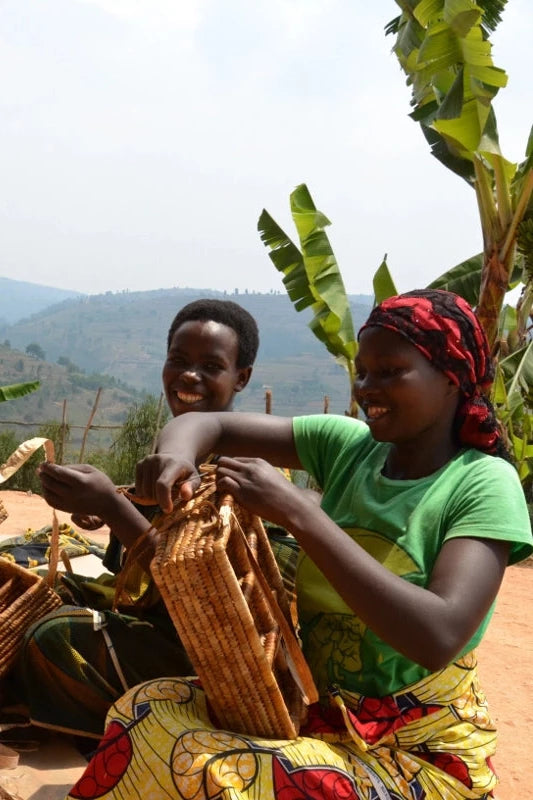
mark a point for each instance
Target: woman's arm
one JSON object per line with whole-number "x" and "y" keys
{"x": 428, "y": 625}
{"x": 186, "y": 439}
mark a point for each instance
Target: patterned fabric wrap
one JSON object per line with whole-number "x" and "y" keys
{"x": 32, "y": 549}
{"x": 434, "y": 739}
{"x": 444, "y": 328}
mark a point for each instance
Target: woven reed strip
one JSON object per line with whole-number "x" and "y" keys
{"x": 215, "y": 624}
{"x": 249, "y": 713}
{"x": 259, "y": 610}
{"x": 213, "y": 621}
{"x": 255, "y": 599}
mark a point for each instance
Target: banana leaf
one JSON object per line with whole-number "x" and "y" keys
{"x": 383, "y": 283}
{"x": 443, "y": 48}
{"x": 465, "y": 279}
{"x": 312, "y": 276}
{"x": 17, "y": 390}
{"x": 517, "y": 371}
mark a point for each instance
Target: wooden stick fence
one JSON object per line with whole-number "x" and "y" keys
{"x": 89, "y": 426}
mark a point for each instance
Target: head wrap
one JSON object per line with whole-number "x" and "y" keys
{"x": 444, "y": 328}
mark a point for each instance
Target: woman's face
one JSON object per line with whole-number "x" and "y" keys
{"x": 200, "y": 372}
{"x": 402, "y": 395}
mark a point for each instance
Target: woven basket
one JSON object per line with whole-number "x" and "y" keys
{"x": 223, "y": 590}
{"x": 24, "y": 596}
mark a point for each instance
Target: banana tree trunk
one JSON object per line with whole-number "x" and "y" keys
{"x": 494, "y": 285}
{"x": 500, "y": 247}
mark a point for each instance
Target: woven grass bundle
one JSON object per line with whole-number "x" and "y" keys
{"x": 223, "y": 590}
{"x": 24, "y": 596}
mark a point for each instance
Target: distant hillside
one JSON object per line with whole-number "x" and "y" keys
{"x": 59, "y": 383}
{"x": 19, "y": 299}
{"x": 124, "y": 335}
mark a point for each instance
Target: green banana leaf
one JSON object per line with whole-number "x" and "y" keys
{"x": 383, "y": 283}
{"x": 523, "y": 169}
{"x": 519, "y": 425}
{"x": 517, "y": 371}
{"x": 443, "y": 48}
{"x": 465, "y": 279}
{"x": 312, "y": 276}
{"x": 492, "y": 14}
{"x": 287, "y": 259}
{"x": 17, "y": 390}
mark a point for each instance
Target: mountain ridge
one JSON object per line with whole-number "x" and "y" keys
{"x": 123, "y": 334}
{"x": 32, "y": 297}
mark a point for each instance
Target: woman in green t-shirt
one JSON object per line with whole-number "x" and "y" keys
{"x": 400, "y": 566}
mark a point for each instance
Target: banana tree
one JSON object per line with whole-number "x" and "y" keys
{"x": 443, "y": 47}
{"x": 312, "y": 278}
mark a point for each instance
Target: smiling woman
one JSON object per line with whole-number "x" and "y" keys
{"x": 425, "y": 353}
{"x": 211, "y": 348}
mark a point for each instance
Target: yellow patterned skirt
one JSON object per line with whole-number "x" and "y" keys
{"x": 433, "y": 739}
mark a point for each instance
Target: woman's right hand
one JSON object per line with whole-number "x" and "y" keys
{"x": 80, "y": 489}
{"x": 157, "y": 474}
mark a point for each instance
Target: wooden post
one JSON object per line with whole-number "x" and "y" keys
{"x": 157, "y": 422}
{"x": 268, "y": 401}
{"x": 61, "y": 453}
{"x": 88, "y": 426}
{"x": 326, "y": 404}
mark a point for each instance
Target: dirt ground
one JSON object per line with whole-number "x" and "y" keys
{"x": 505, "y": 656}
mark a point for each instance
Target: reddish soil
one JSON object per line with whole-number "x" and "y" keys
{"x": 505, "y": 655}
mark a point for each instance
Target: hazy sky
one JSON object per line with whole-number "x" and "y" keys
{"x": 140, "y": 140}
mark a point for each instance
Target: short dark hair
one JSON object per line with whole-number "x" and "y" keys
{"x": 226, "y": 313}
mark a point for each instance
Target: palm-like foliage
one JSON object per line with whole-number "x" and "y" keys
{"x": 17, "y": 390}
{"x": 443, "y": 47}
{"x": 312, "y": 276}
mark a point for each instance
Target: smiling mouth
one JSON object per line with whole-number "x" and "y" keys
{"x": 374, "y": 413}
{"x": 189, "y": 398}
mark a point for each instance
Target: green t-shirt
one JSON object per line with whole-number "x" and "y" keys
{"x": 401, "y": 523}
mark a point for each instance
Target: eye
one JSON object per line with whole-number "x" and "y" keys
{"x": 177, "y": 361}
{"x": 390, "y": 372}
{"x": 212, "y": 366}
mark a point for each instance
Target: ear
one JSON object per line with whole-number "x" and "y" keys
{"x": 454, "y": 393}
{"x": 244, "y": 376}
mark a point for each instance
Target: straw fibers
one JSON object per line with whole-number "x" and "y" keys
{"x": 223, "y": 590}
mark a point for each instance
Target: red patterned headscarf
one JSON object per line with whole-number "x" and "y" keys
{"x": 444, "y": 328}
